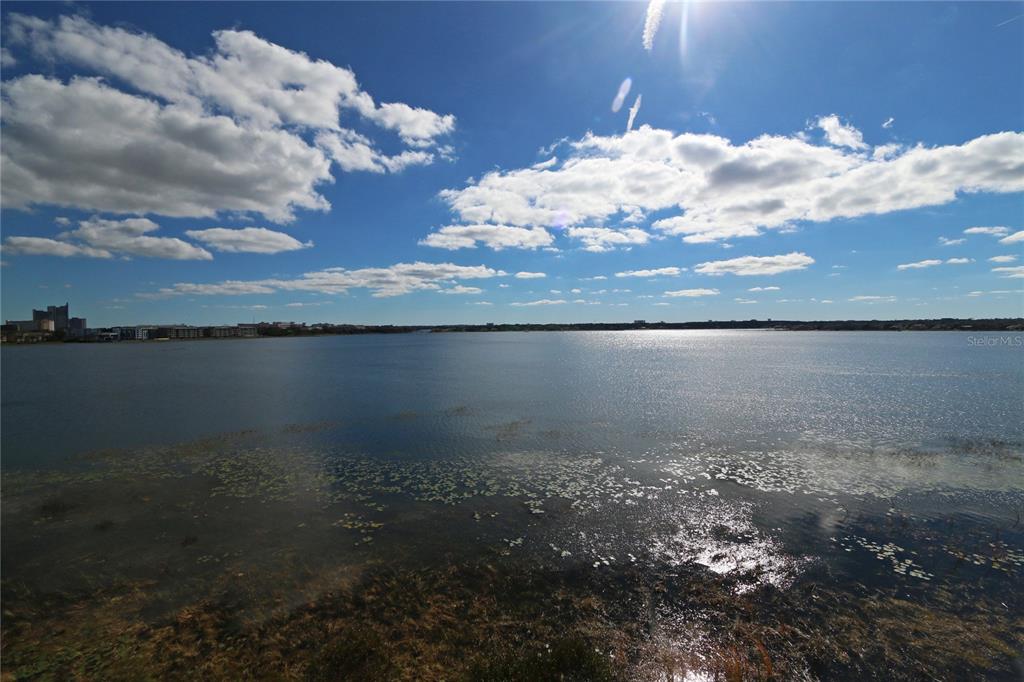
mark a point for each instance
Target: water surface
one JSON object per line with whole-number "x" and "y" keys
{"x": 835, "y": 485}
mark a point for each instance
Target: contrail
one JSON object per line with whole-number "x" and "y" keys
{"x": 654, "y": 11}
{"x": 632, "y": 113}
{"x": 1002, "y": 23}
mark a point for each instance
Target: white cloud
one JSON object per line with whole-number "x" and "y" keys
{"x": 717, "y": 190}
{"x": 840, "y": 134}
{"x": 247, "y": 240}
{"x": 497, "y": 237}
{"x": 1014, "y": 238}
{"x": 959, "y": 261}
{"x": 102, "y": 238}
{"x": 480, "y": 303}
{"x": 604, "y": 239}
{"x": 1015, "y": 272}
{"x": 764, "y": 289}
{"x": 460, "y": 289}
{"x": 756, "y": 265}
{"x": 530, "y": 275}
{"x": 87, "y": 145}
{"x": 398, "y": 279}
{"x": 543, "y": 301}
{"x": 888, "y": 122}
{"x": 943, "y": 241}
{"x": 355, "y": 152}
{"x": 130, "y": 237}
{"x": 744, "y": 300}
{"x": 885, "y": 151}
{"x": 691, "y": 293}
{"x": 873, "y": 299}
{"x": 633, "y": 111}
{"x": 576, "y": 291}
{"x": 930, "y": 263}
{"x": 651, "y": 22}
{"x": 190, "y": 136}
{"x": 595, "y": 278}
{"x": 1003, "y": 259}
{"x": 39, "y": 246}
{"x": 996, "y": 292}
{"x": 993, "y": 231}
{"x": 657, "y": 272}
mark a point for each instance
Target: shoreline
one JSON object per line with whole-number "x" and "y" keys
{"x": 281, "y": 330}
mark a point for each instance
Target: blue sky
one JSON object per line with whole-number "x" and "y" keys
{"x": 392, "y": 163}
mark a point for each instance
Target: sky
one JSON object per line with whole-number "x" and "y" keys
{"x": 433, "y": 163}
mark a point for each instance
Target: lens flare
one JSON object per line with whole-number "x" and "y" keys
{"x": 620, "y": 96}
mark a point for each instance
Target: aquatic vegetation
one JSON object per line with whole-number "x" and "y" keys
{"x": 297, "y": 558}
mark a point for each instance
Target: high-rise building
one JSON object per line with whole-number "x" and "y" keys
{"x": 57, "y": 314}
{"x": 76, "y": 327}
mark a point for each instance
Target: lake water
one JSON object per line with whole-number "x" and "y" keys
{"x": 880, "y": 474}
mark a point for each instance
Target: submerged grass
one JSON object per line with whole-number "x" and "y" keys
{"x": 226, "y": 559}
{"x": 481, "y": 621}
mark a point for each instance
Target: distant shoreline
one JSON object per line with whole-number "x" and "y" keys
{"x": 285, "y": 330}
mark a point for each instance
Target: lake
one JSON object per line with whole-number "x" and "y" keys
{"x": 650, "y": 504}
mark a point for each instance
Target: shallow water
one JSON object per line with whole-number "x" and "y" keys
{"x": 748, "y": 466}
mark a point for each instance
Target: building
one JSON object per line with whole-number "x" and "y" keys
{"x": 21, "y": 325}
{"x": 57, "y": 314}
{"x": 76, "y": 328}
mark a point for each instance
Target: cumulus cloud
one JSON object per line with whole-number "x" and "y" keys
{"x": 764, "y": 289}
{"x": 657, "y": 272}
{"x": 651, "y": 22}
{"x": 959, "y": 261}
{"x": 888, "y": 122}
{"x": 84, "y": 144}
{"x": 496, "y": 237}
{"x": 355, "y": 152}
{"x": 993, "y": 231}
{"x": 40, "y": 246}
{"x": 943, "y": 241}
{"x": 102, "y": 238}
{"x": 247, "y": 240}
{"x": 841, "y": 134}
{"x": 744, "y": 300}
{"x": 1015, "y": 238}
{"x": 543, "y": 301}
{"x": 130, "y": 237}
{"x": 190, "y": 136}
{"x": 691, "y": 293}
{"x": 756, "y": 265}
{"x": 604, "y": 239}
{"x": 1015, "y": 271}
{"x": 1009, "y": 258}
{"x": 718, "y": 190}
{"x": 530, "y": 275}
{"x": 395, "y": 280}
{"x": 930, "y": 263}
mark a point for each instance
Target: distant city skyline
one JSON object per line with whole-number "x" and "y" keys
{"x": 552, "y": 163}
